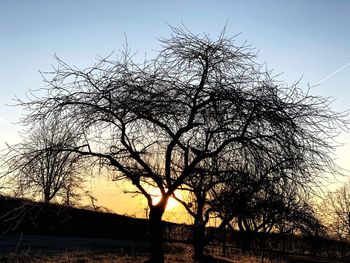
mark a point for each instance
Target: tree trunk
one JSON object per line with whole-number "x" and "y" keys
{"x": 198, "y": 240}
{"x": 156, "y": 232}
{"x": 47, "y": 198}
{"x": 262, "y": 244}
{"x": 224, "y": 226}
{"x": 224, "y": 247}
{"x": 199, "y": 225}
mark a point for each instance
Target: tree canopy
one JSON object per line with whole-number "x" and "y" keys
{"x": 156, "y": 121}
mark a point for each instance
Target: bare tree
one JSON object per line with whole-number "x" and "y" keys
{"x": 336, "y": 212}
{"x": 282, "y": 211}
{"x": 196, "y": 201}
{"x": 37, "y": 168}
{"x": 267, "y": 197}
{"x": 259, "y": 189}
{"x": 155, "y": 122}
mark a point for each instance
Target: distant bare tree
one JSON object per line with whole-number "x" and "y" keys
{"x": 155, "y": 122}
{"x": 336, "y": 212}
{"x": 265, "y": 193}
{"x": 257, "y": 207}
{"x": 37, "y": 168}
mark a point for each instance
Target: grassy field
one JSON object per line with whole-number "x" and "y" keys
{"x": 107, "y": 257}
{"x": 180, "y": 253}
{"x": 175, "y": 252}
{"x": 18, "y": 248}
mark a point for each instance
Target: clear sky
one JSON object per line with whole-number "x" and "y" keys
{"x": 299, "y": 38}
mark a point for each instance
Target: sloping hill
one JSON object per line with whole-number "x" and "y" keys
{"x": 19, "y": 215}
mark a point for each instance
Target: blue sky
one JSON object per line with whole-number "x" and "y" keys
{"x": 299, "y": 38}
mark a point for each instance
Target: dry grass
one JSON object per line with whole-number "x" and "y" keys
{"x": 70, "y": 257}
{"x": 235, "y": 255}
{"x": 175, "y": 253}
{"x": 84, "y": 257}
{"x": 109, "y": 257}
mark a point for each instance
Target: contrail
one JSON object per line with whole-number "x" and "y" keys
{"x": 332, "y": 74}
{"x": 4, "y": 121}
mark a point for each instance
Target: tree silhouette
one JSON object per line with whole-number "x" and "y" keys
{"x": 256, "y": 190}
{"x": 155, "y": 122}
{"x": 36, "y": 167}
{"x": 267, "y": 195}
{"x": 196, "y": 201}
{"x": 336, "y": 211}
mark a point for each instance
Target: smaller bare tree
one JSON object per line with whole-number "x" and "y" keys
{"x": 266, "y": 195}
{"x": 35, "y": 168}
{"x": 336, "y": 212}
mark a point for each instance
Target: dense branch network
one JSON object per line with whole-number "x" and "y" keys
{"x": 158, "y": 122}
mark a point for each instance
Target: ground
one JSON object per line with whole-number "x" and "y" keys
{"x": 22, "y": 248}
{"x": 18, "y": 248}
{"x": 106, "y": 257}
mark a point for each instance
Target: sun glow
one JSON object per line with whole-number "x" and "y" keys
{"x": 172, "y": 203}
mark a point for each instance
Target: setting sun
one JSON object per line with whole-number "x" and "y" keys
{"x": 172, "y": 203}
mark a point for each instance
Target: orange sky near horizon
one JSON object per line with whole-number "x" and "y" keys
{"x": 111, "y": 195}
